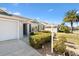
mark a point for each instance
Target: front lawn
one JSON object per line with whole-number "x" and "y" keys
{"x": 73, "y": 38}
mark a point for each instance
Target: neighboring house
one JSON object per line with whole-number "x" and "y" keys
{"x": 47, "y": 27}
{"x": 12, "y": 26}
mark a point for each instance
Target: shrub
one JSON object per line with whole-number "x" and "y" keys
{"x": 45, "y": 31}
{"x": 35, "y": 33}
{"x": 64, "y": 29}
{"x": 38, "y": 33}
{"x": 38, "y": 40}
{"x": 34, "y": 41}
{"x": 59, "y": 45}
{"x": 32, "y": 33}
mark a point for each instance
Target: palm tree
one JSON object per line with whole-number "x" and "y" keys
{"x": 77, "y": 19}
{"x": 71, "y": 16}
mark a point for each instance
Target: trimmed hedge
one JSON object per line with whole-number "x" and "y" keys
{"x": 46, "y": 31}
{"x": 39, "y": 39}
{"x": 41, "y": 32}
{"x": 59, "y": 45}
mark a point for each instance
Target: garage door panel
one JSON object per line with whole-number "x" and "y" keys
{"x": 8, "y": 30}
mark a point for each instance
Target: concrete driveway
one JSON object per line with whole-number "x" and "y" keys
{"x": 16, "y": 48}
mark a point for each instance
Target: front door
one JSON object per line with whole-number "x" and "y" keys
{"x": 30, "y": 28}
{"x": 25, "y": 29}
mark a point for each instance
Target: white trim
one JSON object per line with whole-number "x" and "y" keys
{"x": 15, "y": 18}
{"x": 28, "y": 30}
{"x": 18, "y": 30}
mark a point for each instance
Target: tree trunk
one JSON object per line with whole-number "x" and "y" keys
{"x": 72, "y": 26}
{"x": 77, "y": 26}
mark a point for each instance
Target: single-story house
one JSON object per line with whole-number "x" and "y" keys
{"x": 47, "y": 27}
{"x": 17, "y": 27}
{"x": 13, "y": 27}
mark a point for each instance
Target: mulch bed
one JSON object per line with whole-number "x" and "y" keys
{"x": 45, "y": 49}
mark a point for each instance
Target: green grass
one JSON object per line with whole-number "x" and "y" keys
{"x": 73, "y": 38}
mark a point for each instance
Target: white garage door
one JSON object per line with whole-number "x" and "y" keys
{"x": 8, "y": 30}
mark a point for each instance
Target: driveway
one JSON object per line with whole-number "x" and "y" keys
{"x": 16, "y": 48}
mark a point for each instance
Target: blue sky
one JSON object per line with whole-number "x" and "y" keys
{"x": 50, "y": 12}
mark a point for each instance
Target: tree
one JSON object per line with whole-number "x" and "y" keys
{"x": 71, "y": 16}
{"x": 63, "y": 28}
{"x": 62, "y": 23}
{"x": 77, "y": 19}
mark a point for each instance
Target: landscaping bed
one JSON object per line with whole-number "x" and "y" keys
{"x": 37, "y": 39}
{"x": 41, "y": 41}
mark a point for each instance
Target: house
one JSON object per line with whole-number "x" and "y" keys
{"x": 17, "y": 27}
{"x": 13, "y": 27}
{"x": 47, "y": 27}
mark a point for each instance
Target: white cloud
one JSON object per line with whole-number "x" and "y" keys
{"x": 16, "y": 13}
{"x": 50, "y": 10}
